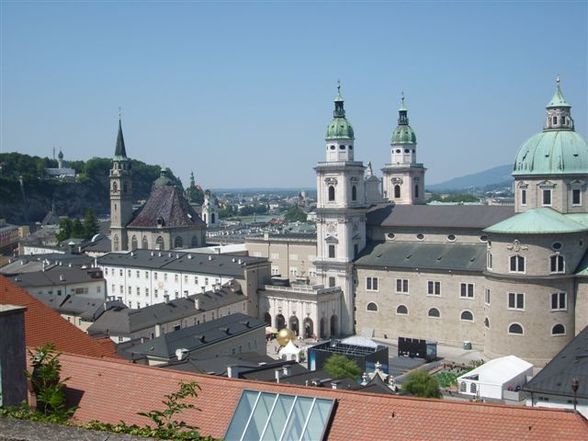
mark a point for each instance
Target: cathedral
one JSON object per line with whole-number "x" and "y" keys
{"x": 507, "y": 280}
{"x": 166, "y": 221}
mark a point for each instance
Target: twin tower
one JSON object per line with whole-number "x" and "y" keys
{"x": 345, "y": 191}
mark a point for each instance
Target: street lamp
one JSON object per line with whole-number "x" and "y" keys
{"x": 575, "y": 385}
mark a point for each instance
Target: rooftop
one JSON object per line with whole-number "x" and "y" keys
{"x": 216, "y": 264}
{"x": 58, "y": 276}
{"x": 541, "y": 221}
{"x": 43, "y": 325}
{"x": 419, "y": 255}
{"x": 439, "y": 216}
{"x": 111, "y": 391}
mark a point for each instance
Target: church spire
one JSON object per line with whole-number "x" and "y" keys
{"x": 339, "y": 111}
{"x": 120, "y": 151}
{"x": 559, "y": 115}
{"x": 402, "y": 113}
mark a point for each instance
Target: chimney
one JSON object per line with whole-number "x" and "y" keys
{"x": 286, "y": 370}
{"x": 203, "y": 289}
{"x": 157, "y": 330}
{"x": 196, "y": 303}
{"x": 277, "y": 373}
{"x": 209, "y": 257}
{"x": 61, "y": 277}
{"x": 166, "y": 298}
{"x": 334, "y": 384}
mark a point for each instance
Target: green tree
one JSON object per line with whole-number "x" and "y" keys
{"x": 421, "y": 384}
{"x": 65, "y": 228}
{"x": 195, "y": 195}
{"x": 90, "y": 223}
{"x": 295, "y": 214}
{"x": 77, "y": 229}
{"x": 339, "y": 366}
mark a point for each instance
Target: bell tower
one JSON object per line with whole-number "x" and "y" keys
{"x": 341, "y": 212}
{"x": 404, "y": 177}
{"x": 121, "y": 192}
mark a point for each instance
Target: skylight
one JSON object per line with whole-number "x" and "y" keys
{"x": 269, "y": 416}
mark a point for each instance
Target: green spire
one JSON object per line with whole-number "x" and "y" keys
{"x": 339, "y": 128}
{"x": 192, "y": 180}
{"x": 120, "y": 152}
{"x": 558, "y": 99}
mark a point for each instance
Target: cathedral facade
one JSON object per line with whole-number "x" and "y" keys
{"x": 509, "y": 280}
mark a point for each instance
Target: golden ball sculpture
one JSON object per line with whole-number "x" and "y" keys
{"x": 284, "y": 336}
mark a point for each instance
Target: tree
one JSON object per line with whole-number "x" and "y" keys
{"x": 65, "y": 227}
{"x": 421, "y": 384}
{"x": 295, "y": 214}
{"x": 90, "y": 223}
{"x": 339, "y": 366}
{"x": 77, "y": 229}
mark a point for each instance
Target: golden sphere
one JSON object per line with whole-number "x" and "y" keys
{"x": 284, "y": 336}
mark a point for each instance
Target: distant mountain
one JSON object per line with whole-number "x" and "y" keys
{"x": 496, "y": 176}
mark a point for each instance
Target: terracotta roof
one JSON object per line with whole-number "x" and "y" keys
{"x": 43, "y": 325}
{"x": 111, "y": 391}
{"x": 166, "y": 204}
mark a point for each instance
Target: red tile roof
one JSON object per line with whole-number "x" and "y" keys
{"x": 111, "y": 391}
{"x": 43, "y": 325}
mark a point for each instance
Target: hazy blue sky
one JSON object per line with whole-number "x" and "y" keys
{"x": 242, "y": 93}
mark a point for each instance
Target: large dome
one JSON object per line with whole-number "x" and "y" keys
{"x": 403, "y": 135}
{"x": 340, "y": 128}
{"x": 553, "y": 152}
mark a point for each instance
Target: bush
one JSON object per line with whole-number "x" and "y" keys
{"x": 422, "y": 384}
{"x": 339, "y": 366}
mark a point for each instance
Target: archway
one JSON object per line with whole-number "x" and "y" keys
{"x": 280, "y": 322}
{"x": 308, "y": 328}
{"x": 294, "y": 325}
{"x": 323, "y": 328}
{"x": 267, "y": 318}
{"x": 333, "y": 325}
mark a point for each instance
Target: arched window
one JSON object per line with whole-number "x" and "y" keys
{"x": 114, "y": 186}
{"x": 144, "y": 243}
{"x": 473, "y": 388}
{"x": 463, "y": 386}
{"x": 331, "y": 193}
{"x": 556, "y": 263}
{"x": 115, "y": 243}
{"x": 402, "y": 310}
{"x": 487, "y": 322}
{"x": 515, "y": 328}
{"x": 178, "y": 242}
{"x": 372, "y": 306}
{"x": 354, "y": 193}
{"x": 397, "y": 191}
{"x": 434, "y": 312}
{"x": 212, "y": 218}
{"x": 134, "y": 243}
{"x": 558, "y": 329}
{"x": 416, "y": 191}
{"x": 467, "y": 316}
{"x": 517, "y": 264}
{"x": 194, "y": 242}
{"x": 159, "y": 243}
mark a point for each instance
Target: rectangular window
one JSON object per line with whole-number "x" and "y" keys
{"x": 576, "y": 196}
{"x": 146, "y": 274}
{"x": 547, "y": 197}
{"x": 331, "y": 282}
{"x": 129, "y": 290}
{"x": 122, "y": 290}
{"x": 138, "y": 291}
{"x": 155, "y": 292}
{"x": 559, "y": 301}
{"x": 165, "y": 276}
{"x": 487, "y": 296}
{"x": 120, "y": 272}
{"x": 155, "y": 275}
{"x": 138, "y": 274}
{"x": 402, "y": 286}
{"x": 113, "y": 289}
{"x": 176, "y": 276}
{"x": 206, "y": 281}
{"x": 489, "y": 260}
{"x": 332, "y": 251}
{"x": 129, "y": 273}
{"x": 371, "y": 283}
{"x": 433, "y": 288}
{"x": 146, "y": 292}
{"x": 517, "y": 264}
{"x": 557, "y": 263}
{"x": 516, "y": 300}
{"x": 523, "y": 196}
{"x": 195, "y": 280}
{"x": 466, "y": 290}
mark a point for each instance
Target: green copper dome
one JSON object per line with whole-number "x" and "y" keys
{"x": 553, "y": 152}
{"x": 403, "y": 133}
{"x": 339, "y": 127}
{"x": 558, "y": 149}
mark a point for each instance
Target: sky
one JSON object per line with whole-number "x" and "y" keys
{"x": 241, "y": 93}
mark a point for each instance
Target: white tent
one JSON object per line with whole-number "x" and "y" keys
{"x": 290, "y": 352}
{"x": 495, "y": 377}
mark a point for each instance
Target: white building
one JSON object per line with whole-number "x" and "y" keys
{"x": 140, "y": 278}
{"x": 498, "y": 379}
